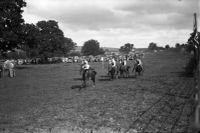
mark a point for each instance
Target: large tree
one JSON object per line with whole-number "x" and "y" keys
{"x": 50, "y": 39}
{"x": 10, "y": 24}
{"x": 68, "y": 45}
{"x": 91, "y": 47}
{"x": 30, "y": 44}
{"x": 167, "y": 46}
{"x": 177, "y": 45}
{"x": 152, "y": 46}
{"x": 126, "y": 48}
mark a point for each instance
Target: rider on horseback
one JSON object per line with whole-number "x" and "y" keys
{"x": 88, "y": 73}
{"x": 85, "y": 67}
{"x": 123, "y": 62}
{"x": 113, "y": 63}
{"x": 138, "y": 62}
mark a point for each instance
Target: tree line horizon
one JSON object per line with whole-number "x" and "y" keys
{"x": 45, "y": 39}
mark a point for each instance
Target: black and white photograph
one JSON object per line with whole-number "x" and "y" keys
{"x": 99, "y": 66}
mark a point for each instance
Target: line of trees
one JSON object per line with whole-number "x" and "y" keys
{"x": 153, "y": 46}
{"x": 44, "y": 39}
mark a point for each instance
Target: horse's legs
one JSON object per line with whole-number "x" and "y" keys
{"x": 117, "y": 75}
{"x": 11, "y": 73}
{"x": 93, "y": 79}
{"x": 135, "y": 73}
{"x": 3, "y": 71}
{"x": 14, "y": 74}
{"x": 112, "y": 76}
{"x": 84, "y": 83}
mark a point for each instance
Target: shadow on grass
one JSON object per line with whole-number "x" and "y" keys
{"x": 105, "y": 79}
{"x": 131, "y": 77}
{"x": 183, "y": 74}
{"x": 108, "y": 78}
{"x": 79, "y": 87}
{"x": 104, "y": 76}
{"x": 78, "y": 79}
{"x": 23, "y": 67}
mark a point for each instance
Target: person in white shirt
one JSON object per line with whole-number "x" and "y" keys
{"x": 139, "y": 62}
{"x": 85, "y": 67}
{"x": 10, "y": 66}
{"x": 113, "y": 62}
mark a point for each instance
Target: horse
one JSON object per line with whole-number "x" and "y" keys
{"x": 89, "y": 74}
{"x": 113, "y": 72}
{"x": 124, "y": 70}
{"x": 138, "y": 69}
{"x": 7, "y": 66}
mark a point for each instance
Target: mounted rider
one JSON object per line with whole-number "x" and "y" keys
{"x": 123, "y": 62}
{"x": 113, "y": 63}
{"x": 138, "y": 62}
{"x": 85, "y": 66}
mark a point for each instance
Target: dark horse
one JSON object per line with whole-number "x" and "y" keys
{"x": 138, "y": 69}
{"x": 89, "y": 74}
{"x": 124, "y": 71}
{"x": 113, "y": 72}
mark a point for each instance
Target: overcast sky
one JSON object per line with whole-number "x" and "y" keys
{"x": 116, "y": 22}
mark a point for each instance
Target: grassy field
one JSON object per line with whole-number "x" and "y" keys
{"x": 48, "y": 98}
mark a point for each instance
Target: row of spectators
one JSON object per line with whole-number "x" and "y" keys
{"x": 74, "y": 59}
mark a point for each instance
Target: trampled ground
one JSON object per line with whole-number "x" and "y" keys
{"x": 41, "y": 99}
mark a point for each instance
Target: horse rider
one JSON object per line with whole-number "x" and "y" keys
{"x": 113, "y": 63}
{"x": 85, "y": 66}
{"x": 139, "y": 62}
{"x": 123, "y": 62}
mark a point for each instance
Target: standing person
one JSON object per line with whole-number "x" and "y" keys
{"x": 10, "y": 66}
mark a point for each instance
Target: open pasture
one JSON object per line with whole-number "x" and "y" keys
{"x": 48, "y": 98}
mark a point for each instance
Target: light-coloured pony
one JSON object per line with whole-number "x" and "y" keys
{"x": 7, "y": 66}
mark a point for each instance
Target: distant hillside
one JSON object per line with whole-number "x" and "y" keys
{"x": 141, "y": 49}
{"x": 110, "y": 49}
{"x": 78, "y": 48}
